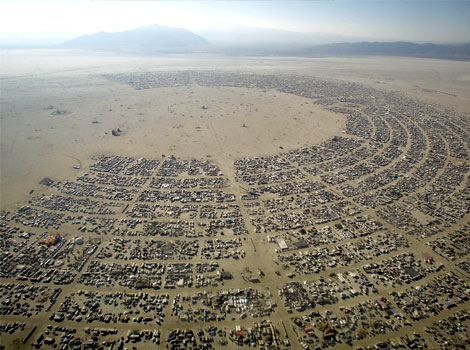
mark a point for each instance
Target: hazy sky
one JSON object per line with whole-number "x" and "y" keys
{"x": 416, "y": 20}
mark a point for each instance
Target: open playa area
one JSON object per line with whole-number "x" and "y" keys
{"x": 201, "y": 201}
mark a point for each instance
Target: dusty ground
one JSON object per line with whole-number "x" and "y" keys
{"x": 234, "y": 122}
{"x": 35, "y": 143}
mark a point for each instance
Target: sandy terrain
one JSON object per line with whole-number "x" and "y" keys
{"x": 220, "y": 123}
{"x": 155, "y": 122}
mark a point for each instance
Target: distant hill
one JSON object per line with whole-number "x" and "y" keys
{"x": 363, "y": 48}
{"x": 241, "y": 40}
{"x": 149, "y": 38}
{"x": 398, "y": 48}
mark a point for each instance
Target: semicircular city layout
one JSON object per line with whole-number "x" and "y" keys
{"x": 216, "y": 209}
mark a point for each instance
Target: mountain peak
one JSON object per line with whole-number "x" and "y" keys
{"x": 149, "y": 37}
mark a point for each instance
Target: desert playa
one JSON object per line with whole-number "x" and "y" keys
{"x": 208, "y": 202}
{"x": 50, "y": 119}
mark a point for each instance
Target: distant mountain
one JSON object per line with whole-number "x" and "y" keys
{"x": 362, "y": 48}
{"x": 398, "y": 48}
{"x": 154, "y": 37}
{"x": 239, "y": 40}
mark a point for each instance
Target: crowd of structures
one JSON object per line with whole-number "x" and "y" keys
{"x": 363, "y": 235}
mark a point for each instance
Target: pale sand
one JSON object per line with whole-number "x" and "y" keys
{"x": 35, "y": 143}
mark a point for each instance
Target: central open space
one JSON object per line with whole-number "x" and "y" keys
{"x": 224, "y": 122}
{"x": 221, "y": 123}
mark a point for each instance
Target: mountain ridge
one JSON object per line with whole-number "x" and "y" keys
{"x": 149, "y": 37}
{"x": 155, "y": 39}
{"x": 380, "y": 48}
